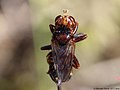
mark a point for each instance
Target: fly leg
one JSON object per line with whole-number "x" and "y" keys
{"x": 75, "y": 64}
{"x": 52, "y": 28}
{"x": 47, "y": 47}
{"x": 79, "y": 37}
{"x": 50, "y": 62}
{"x": 49, "y": 58}
{"x": 52, "y": 71}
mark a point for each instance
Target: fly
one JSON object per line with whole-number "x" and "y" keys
{"x": 61, "y": 58}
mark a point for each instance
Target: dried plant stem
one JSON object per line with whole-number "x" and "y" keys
{"x": 59, "y": 87}
{"x": 59, "y": 84}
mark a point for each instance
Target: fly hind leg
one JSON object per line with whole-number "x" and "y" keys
{"x": 52, "y": 71}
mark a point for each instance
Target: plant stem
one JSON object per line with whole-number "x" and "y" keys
{"x": 59, "y": 87}
{"x": 59, "y": 84}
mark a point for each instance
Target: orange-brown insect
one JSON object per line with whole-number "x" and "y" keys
{"x": 61, "y": 58}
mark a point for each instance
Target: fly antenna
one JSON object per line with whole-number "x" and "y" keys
{"x": 65, "y": 11}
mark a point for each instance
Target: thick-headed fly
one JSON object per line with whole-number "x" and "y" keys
{"x": 61, "y": 58}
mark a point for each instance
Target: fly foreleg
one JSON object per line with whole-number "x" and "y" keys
{"x": 79, "y": 37}
{"x": 52, "y": 28}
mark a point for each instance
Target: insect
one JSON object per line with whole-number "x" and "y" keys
{"x": 61, "y": 58}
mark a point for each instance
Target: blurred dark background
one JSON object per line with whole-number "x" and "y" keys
{"x": 24, "y": 28}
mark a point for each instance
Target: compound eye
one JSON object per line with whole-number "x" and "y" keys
{"x": 57, "y": 17}
{"x": 72, "y": 19}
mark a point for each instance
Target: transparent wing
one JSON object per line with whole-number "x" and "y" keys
{"x": 63, "y": 59}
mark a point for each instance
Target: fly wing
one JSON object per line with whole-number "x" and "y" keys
{"x": 63, "y": 58}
